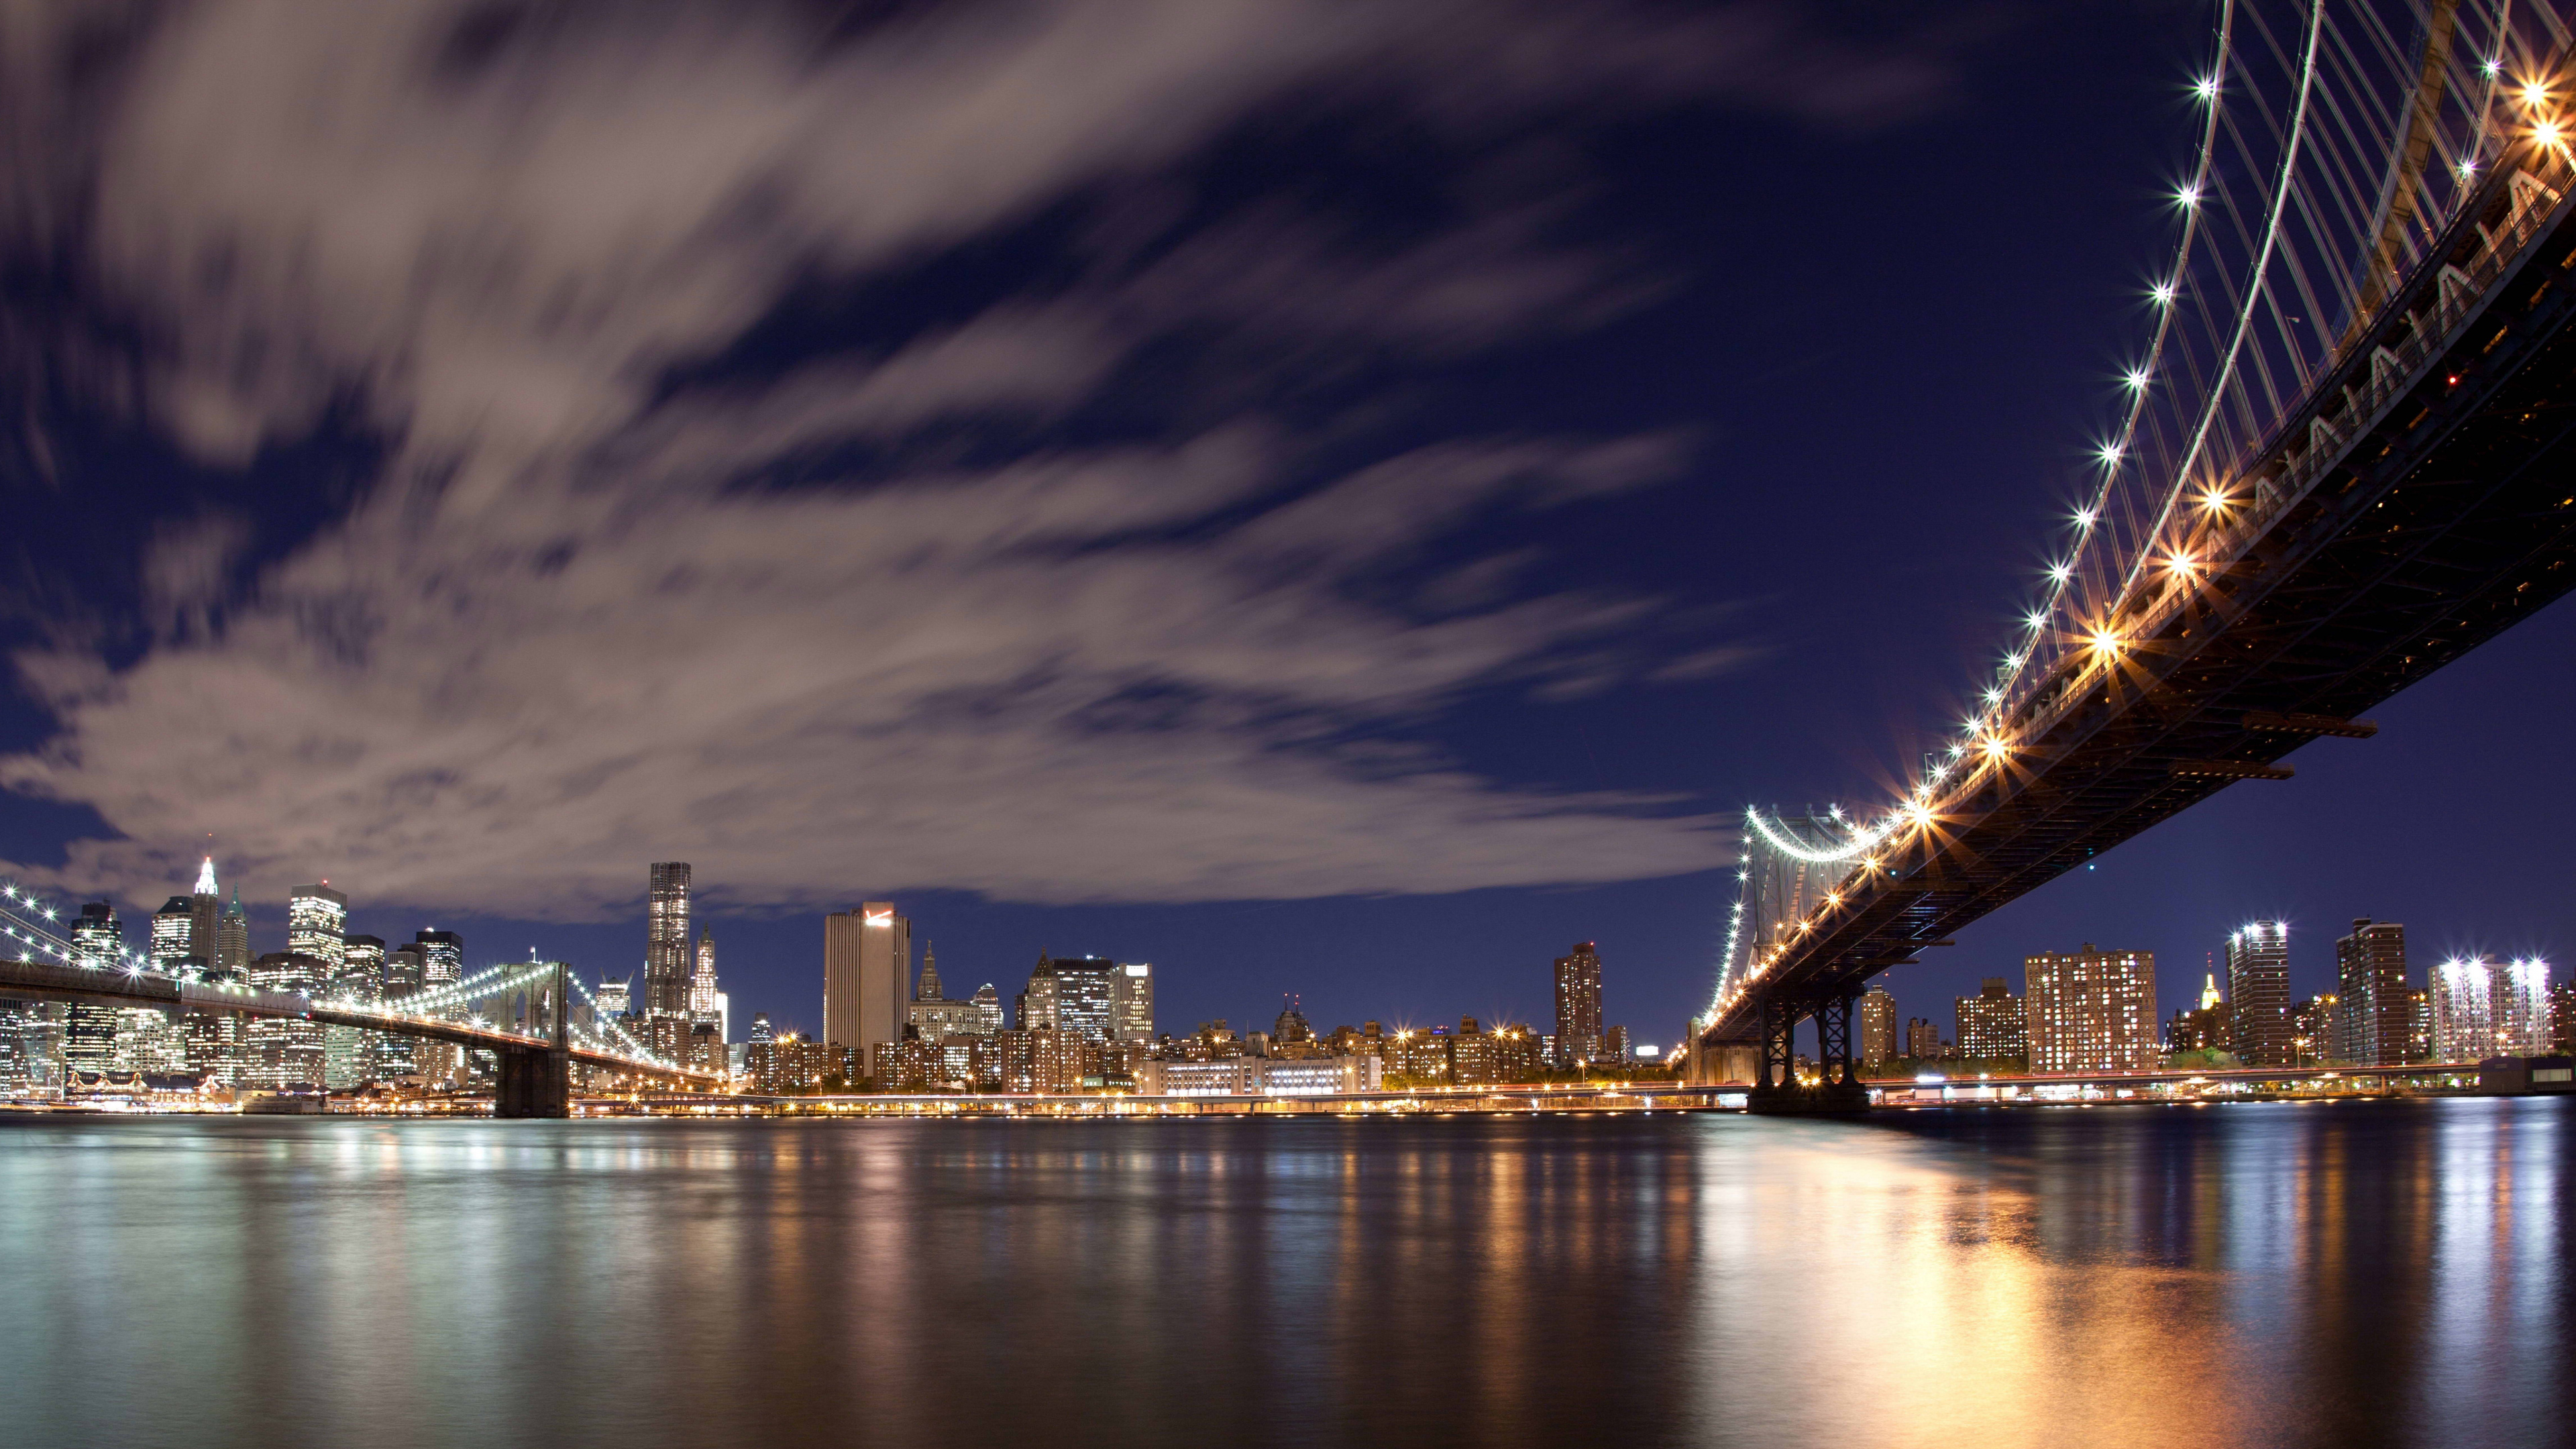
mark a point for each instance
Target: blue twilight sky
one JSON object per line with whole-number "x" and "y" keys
{"x": 1332, "y": 499}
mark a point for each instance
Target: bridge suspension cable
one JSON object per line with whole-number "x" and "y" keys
{"x": 2338, "y": 142}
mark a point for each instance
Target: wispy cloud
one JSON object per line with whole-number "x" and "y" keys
{"x": 559, "y": 634}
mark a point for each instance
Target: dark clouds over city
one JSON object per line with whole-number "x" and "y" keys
{"x": 1241, "y": 480}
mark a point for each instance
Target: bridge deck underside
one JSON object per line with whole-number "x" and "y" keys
{"x": 2450, "y": 519}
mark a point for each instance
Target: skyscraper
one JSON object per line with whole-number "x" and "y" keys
{"x": 1877, "y": 1026}
{"x": 2370, "y": 969}
{"x": 867, "y": 976}
{"x": 317, "y": 925}
{"x": 2091, "y": 1010}
{"x": 702, "y": 980}
{"x": 667, "y": 967}
{"x": 285, "y": 1051}
{"x": 1991, "y": 1024}
{"x": 2258, "y": 993}
{"x": 1037, "y": 1002}
{"x": 205, "y": 914}
{"x": 1134, "y": 1010}
{"x": 89, "y": 1032}
{"x": 1578, "y": 1004}
{"x": 988, "y": 1010}
{"x": 232, "y": 940}
{"x": 2521, "y": 998}
{"x": 1086, "y": 995}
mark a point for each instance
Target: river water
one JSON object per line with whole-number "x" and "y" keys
{"x": 2329, "y": 1273}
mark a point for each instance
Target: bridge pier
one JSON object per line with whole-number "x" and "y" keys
{"x": 534, "y": 1081}
{"x": 1775, "y": 1084}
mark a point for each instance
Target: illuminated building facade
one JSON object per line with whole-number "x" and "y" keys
{"x": 2258, "y": 994}
{"x": 2370, "y": 982}
{"x": 703, "y": 995}
{"x": 2312, "y": 1028}
{"x": 285, "y": 1051}
{"x": 867, "y": 976}
{"x": 1923, "y": 1039}
{"x": 1578, "y": 1004}
{"x": 667, "y": 963}
{"x": 2090, "y": 1010}
{"x": 89, "y": 1032}
{"x": 1086, "y": 994}
{"x": 1990, "y": 1023}
{"x": 2461, "y": 994}
{"x": 1877, "y": 1027}
{"x": 1132, "y": 1015}
{"x": 317, "y": 925}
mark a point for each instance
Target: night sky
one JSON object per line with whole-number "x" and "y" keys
{"x": 1346, "y": 500}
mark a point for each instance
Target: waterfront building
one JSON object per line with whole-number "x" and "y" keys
{"x": 1991, "y": 1027}
{"x": 867, "y": 975}
{"x": 2562, "y": 1018}
{"x": 1877, "y": 1027}
{"x": 1132, "y": 1014}
{"x": 2520, "y": 1002}
{"x": 790, "y": 1064}
{"x": 1923, "y": 1039}
{"x": 2463, "y": 1014}
{"x": 988, "y": 1010}
{"x": 1260, "y": 1077}
{"x": 2312, "y": 1029}
{"x": 1578, "y": 1004}
{"x": 2370, "y": 982}
{"x": 2258, "y": 994}
{"x": 2090, "y": 1010}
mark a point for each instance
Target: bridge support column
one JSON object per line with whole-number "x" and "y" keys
{"x": 1776, "y": 1089}
{"x": 534, "y": 1081}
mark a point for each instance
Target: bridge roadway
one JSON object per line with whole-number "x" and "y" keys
{"x": 2420, "y": 500}
{"x": 534, "y": 1080}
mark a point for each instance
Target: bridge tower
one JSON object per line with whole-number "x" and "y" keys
{"x": 1788, "y": 867}
{"x": 535, "y": 1080}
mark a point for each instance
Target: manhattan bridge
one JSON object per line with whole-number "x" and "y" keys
{"x": 2341, "y": 462}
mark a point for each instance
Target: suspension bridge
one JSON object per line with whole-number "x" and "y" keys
{"x": 524, "y": 1013}
{"x": 2342, "y": 462}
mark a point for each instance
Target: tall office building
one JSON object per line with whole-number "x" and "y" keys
{"x": 2377, "y": 1012}
{"x": 317, "y": 928}
{"x": 1132, "y": 1015}
{"x": 1990, "y": 1023}
{"x": 2090, "y": 1010}
{"x": 667, "y": 964}
{"x": 173, "y": 936}
{"x": 988, "y": 1010}
{"x": 317, "y": 925}
{"x": 232, "y": 940}
{"x": 442, "y": 963}
{"x": 616, "y": 995}
{"x": 867, "y": 976}
{"x": 205, "y": 915}
{"x": 285, "y": 1051}
{"x": 1578, "y": 1004}
{"x": 702, "y": 980}
{"x": 1037, "y": 999}
{"x": 2258, "y": 993}
{"x": 1877, "y": 1027}
{"x": 89, "y": 1032}
{"x": 1086, "y": 994}
{"x": 442, "y": 957}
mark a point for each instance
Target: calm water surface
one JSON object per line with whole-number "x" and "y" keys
{"x": 2343, "y": 1274}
